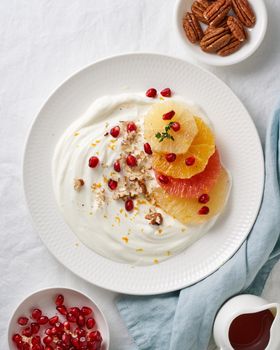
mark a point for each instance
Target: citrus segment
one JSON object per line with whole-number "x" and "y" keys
{"x": 202, "y": 147}
{"x": 187, "y": 210}
{"x": 196, "y": 185}
{"x": 154, "y": 123}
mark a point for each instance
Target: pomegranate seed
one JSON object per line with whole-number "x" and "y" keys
{"x": 71, "y": 317}
{"x": 66, "y": 338}
{"x": 47, "y": 340}
{"x": 94, "y": 336}
{"x": 204, "y": 198}
{"x": 90, "y": 323}
{"x": 175, "y": 126}
{"x": 92, "y": 163}
{"x": 22, "y": 321}
{"x": 36, "y": 314}
{"x": 117, "y": 166}
{"x": 168, "y": 115}
{"x": 190, "y": 161}
{"x": 151, "y": 93}
{"x": 43, "y": 320}
{"x": 163, "y": 179}
{"x": 129, "y": 205}
{"x": 75, "y": 311}
{"x": 59, "y": 327}
{"x": 66, "y": 325}
{"x": 147, "y": 148}
{"x": 166, "y": 92}
{"x": 27, "y": 332}
{"x": 131, "y": 160}
{"x": 36, "y": 340}
{"x": 75, "y": 342}
{"x": 115, "y": 131}
{"x": 48, "y": 331}
{"x": 81, "y": 321}
{"x": 16, "y": 338}
{"x": 80, "y": 332}
{"x": 131, "y": 126}
{"x": 112, "y": 184}
{"x": 25, "y": 346}
{"x": 59, "y": 300}
{"x": 170, "y": 157}
{"x": 19, "y": 344}
{"x": 35, "y": 327}
{"x": 62, "y": 309}
{"x": 83, "y": 341}
{"x": 36, "y": 347}
{"x": 85, "y": 310}
{"x": 48, "y": 347}
{"x": 53, "y": 320}
{"x": 203, "y": 210}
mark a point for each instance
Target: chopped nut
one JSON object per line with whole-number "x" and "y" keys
{"x": 78, "y": 184}
{"x": 154, "y": 218}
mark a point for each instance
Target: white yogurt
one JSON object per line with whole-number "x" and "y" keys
{"x": 111, "y": 231}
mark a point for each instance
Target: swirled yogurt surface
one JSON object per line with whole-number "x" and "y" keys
{"x": 99, "y": 221}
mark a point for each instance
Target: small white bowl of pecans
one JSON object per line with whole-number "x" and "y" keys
{"x": 221, "y": 32}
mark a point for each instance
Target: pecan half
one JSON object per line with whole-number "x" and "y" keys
{"x": 236, "y": 28}
{"x": 223, "y": 24}
{"x": 217, "y": 11}
{"x": 215, "y": 39}
{"x": 198, "y": 7}
{"x": 244, "y": 12}
{"x": 192, "y": 28}
{"x": 232, "y": 46}
{"x": 154, "y": 218}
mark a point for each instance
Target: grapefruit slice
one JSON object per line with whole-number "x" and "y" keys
{"x": 196, "y": 185}
{"x": 202, "y": 147}
{"x": 154, "y": 124}
{"x": 186, "y": 210}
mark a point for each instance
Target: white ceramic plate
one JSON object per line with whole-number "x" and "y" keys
{"x": 44, "y": 300}
{"x": 237, "y": 140}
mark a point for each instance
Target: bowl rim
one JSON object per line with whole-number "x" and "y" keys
{"x": 228, "y": 60}
{"x": 23, "y": 299}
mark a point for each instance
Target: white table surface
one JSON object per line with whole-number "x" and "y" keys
{"x": 42, "y": 43}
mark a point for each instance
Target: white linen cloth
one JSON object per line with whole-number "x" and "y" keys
{"x": 41, "y": 44}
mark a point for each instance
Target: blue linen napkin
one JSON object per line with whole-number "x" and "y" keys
{"x": 184, "y": 319}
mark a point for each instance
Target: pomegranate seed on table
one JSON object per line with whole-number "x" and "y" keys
{"x": 131, "y": 160}
{"x": 131, "y": 126}
{"x": 147, "y": 148}
{"x": 43, "y": 320}
{"x": 66, "y": 325}
{"x": 175, "y": 126}
{"x": 204, "y": 198}
{"x": 81, "y": 321}
{"x": 203, "y": 211}
{"x": 47, "y": 340}
{"x": 90, "y": 323}
{"x": 152, "y": 93}
{"x": 163, "y": 179}
{"x": 115, "y": 131}
{"x": 92, "y": 163}
{"x": 35, "y": 327}
{"x": 129, "y": 205}
{"x": 170, "y": 157}
{"x": 112, "y": 184}
{"x": 62, "y": 309}
{"x": 53, "y": 320}
{"x": 190, "y": 161}
{"x": 85, "y": 310}
{"x": 75, "y": 311}
{"x": 168, "y": 115}
{"x": 22, "y": 321}
{"x": 117, "y": 166}
{"x": 48, "y": 331}
{"x": 71, "y": 317}
{"x": 16, "y": 338}
{"x": 27, "y": 332}
{"x": 36, "y": 313}
{"x": 166, "y": 92}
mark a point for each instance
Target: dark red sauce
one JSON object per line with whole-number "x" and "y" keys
{"x": 251, "y": 331}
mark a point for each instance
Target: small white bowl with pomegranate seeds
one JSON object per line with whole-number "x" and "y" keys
{"x": 58, "y": 319}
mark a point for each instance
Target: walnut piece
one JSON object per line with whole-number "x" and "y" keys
{"x": 78, "y": 184}
{"x": 154, "y": 218}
